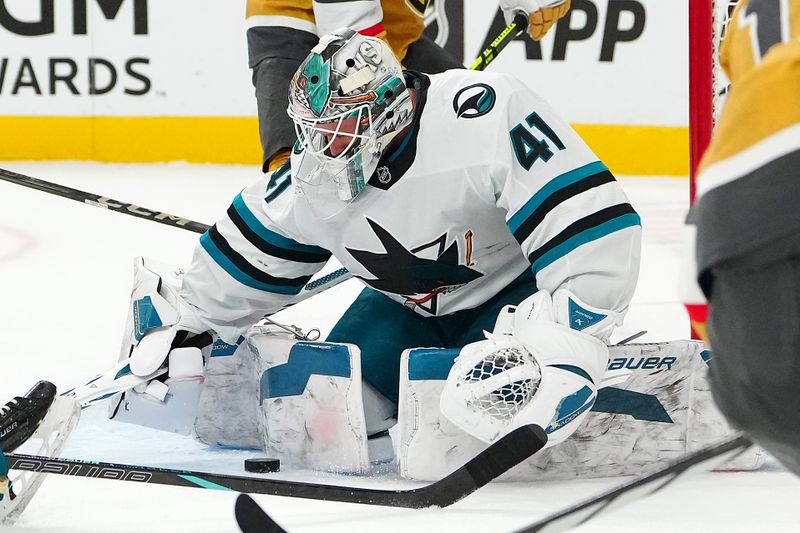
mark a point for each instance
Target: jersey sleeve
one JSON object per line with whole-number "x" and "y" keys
{"x": 246, "y": 266}
{"x": 563, "y": 206}
{"x": 363, "y": 16}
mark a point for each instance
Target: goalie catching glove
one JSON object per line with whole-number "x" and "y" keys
{"x": 543, "y": 364}
{"x": 542, "y": 14}
{"x": 162, "y": 330}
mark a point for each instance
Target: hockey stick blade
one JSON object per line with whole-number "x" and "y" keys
{"x": 252, "y": 518}
{"x": 498, "y": 458}
{"x": 704, "y": 460}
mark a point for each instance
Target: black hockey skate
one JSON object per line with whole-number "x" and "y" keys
{"x": 20, "y": 417}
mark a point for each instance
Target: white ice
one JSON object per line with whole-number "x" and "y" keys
{"x": 65, "y": 274}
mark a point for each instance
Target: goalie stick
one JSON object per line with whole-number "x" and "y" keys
{"x": 498, "y": 458}
{"x": 253, "y": 519}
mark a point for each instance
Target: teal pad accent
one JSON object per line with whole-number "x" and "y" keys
{"x": 305, "y": 358}
{"x": 430, "y": 363}
{"x": 221, "y": 348}
{"x": 575, "y": 370}
{"x": 3, "y": 464}
{"x": 124, "y": 371}
{"x": 640, "y": 406}
{"x": 580, "y": 318}
{"x": 570, "y": 407}
{"x": 145, "y": 317}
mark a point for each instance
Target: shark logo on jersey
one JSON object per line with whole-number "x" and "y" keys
{"x": 420, "y": 274}
{"x": 474, "y": 101}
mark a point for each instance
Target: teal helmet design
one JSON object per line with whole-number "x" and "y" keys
{"x": 348, "y": 100}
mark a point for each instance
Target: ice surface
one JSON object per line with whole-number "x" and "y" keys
{"x": 65, "y": 276}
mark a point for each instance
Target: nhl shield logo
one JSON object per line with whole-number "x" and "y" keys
{"x": 474, "y": 101}
{"x": 384, "y": 176}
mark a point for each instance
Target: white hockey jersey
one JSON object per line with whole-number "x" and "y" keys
{"x": 488, "y": 182}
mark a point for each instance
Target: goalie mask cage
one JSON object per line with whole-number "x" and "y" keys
{"x": 707, "y": 81}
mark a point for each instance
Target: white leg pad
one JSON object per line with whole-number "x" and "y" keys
{"x": 227, "y": 413}
{"x": 311, "y": 409}
{"x": 663, "y": 410}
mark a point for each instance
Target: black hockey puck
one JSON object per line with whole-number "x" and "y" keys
{"x": 262, "y": 465}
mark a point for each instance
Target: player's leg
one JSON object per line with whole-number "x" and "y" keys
{"x": 383, "y": 328}
{"x": 755, "y": 367}
{"x": 274, "y": 55}
{"x": 426, "y": 56}
{"x": 473, "y": 322}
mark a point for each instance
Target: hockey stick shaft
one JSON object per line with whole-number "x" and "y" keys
{"x": 501, "y": 456}
{"x": 704, "y": 460}
{"x": 508, "y": 34}
{"x": 310, "y": 289}
{"x": 102, "y": 202}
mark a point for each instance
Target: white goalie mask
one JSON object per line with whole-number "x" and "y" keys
{"x": 348, "y": 100}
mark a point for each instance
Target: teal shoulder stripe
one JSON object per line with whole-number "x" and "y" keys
{"x": 275, "y": 239}
{"x": 204, "y": 483}
{"x": 592, "y": 234}
{"x": 237, "y": 274}
{"x": 556, "y": 184}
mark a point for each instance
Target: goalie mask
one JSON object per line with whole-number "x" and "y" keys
{"x": 348, "y": 100}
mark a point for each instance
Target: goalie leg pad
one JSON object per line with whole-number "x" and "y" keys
{"x": 227, "y": 413}
{"x": 663, "y": 411}
{"x": 311, "y": 411}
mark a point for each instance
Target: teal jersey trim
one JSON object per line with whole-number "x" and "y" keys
{"x": 240, "y": 276}
{"x": 554, "y": 185}
{"x": 627, "y": 220}
{"x": 275, "y": 239}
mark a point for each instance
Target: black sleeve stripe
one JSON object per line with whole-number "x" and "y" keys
{"x": 243, "y": 265}
{"x": 270, "y": 249}
{"x": 585, "y": 224}
{"x": 559, "y": 196}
